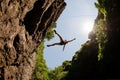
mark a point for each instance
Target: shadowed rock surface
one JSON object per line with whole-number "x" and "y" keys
{"x": 23, "y": 25}
{"x": 98, "y": 59}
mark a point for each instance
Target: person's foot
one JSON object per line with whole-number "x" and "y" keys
{"x": 55, "y": 31}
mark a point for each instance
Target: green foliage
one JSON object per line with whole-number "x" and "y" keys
{"x": 100, "y": 27}
{"x": 58, "y": 73}
{"x": 50, "y": 32}
{"x": 100, "y": 31}
{"x": 98, "y": 58}
{"x": 101, "y": 7}
{"x": 41, "y": 70}
{"x": 81, "y": 50}
{"x": 83, "y": 62}
{"x": 101, "y": 36}
{"x": 100, "y": 51}
{"x": 66, "y": 65}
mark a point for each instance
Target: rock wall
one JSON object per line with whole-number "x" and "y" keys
{"x": 23, "y": 25}
{"x": 98, "y": 59}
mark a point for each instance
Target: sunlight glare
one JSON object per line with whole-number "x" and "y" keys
{"x": 87, "y": 26}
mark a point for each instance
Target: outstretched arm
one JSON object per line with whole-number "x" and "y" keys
{"x": 58, "y": 35}
{"x": 71, "y": 40}
{"x": 53, "y": 44}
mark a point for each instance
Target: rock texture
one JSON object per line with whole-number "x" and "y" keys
{"x": 23, "y": 25}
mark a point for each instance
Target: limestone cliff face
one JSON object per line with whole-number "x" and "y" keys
{"x": 23, "y": 25}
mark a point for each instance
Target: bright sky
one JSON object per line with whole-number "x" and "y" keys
{"x": 76, "y": 21}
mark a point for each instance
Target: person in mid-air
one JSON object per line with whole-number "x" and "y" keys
{"x": 62, "y": 42}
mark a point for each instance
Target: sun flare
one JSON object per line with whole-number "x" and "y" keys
{"x": 87, "y": 26}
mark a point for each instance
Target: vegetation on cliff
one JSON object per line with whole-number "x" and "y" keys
{"x": 99, "y": 57}
{"x": 59, "y": 73}
{"x": 41, "y": 70}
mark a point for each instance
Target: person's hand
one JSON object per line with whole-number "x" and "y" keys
{"x": 74, "y": 39}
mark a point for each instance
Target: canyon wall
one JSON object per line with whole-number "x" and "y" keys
{"x": 23, "y": 25}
